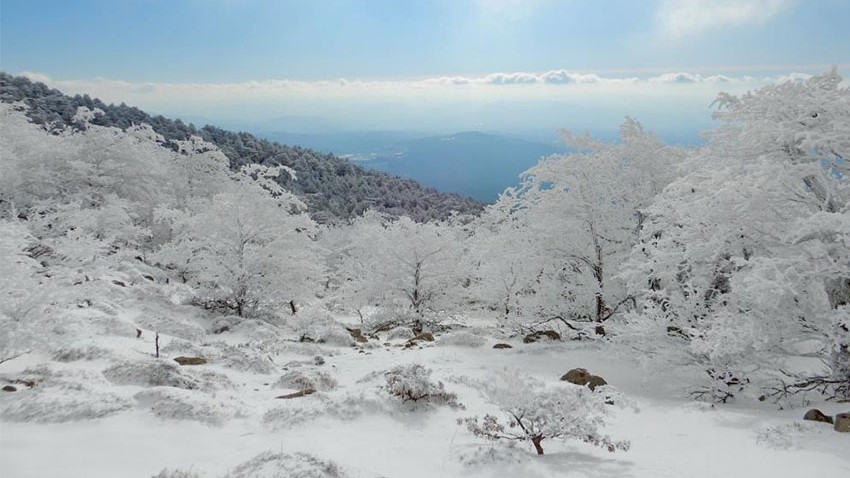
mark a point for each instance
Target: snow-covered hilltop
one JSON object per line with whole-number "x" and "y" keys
{"x": 165, "y": 311}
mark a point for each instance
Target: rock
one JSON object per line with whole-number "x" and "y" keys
{"x": 148, "y": 277}
{"x": 502, "y": 346}
{"x": 596, "y": 381}
{"x": 319, "y": 360}
{"x": 357, "y": 335}
{"x": 422, "y": 337}
{"x": 581, "y": 376}
{"x": 816, "y": 415}
{"x": 578, "y": 376}
{"x": 9, "y": 388}
{"x": 300, "y": 393}
{"x": 842, "y": 422}
{"x": 119, "y": 283}
{"x": 426, "y": 336}
{"x": 190, "y": 360}
{"x": 548, "y": 334}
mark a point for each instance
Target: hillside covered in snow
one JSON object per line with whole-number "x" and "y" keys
{"x": 632, "y": 309}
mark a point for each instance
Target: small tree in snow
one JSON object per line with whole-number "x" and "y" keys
{"x": 534, "y": 413}
{"x": 412, "y": 383}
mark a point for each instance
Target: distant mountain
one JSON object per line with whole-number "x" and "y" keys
{"x": 476, "y": 164}
{"x": 333, "y": 187}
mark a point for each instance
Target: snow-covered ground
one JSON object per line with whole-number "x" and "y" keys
{"x": 209, "y": 420}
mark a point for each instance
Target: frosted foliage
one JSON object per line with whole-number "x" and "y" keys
{"x": 744, "y": 262}
{"x": 172, "y": 403}
{"x": 552, "y": 245}
{"x": 413, "y": 383}
{"x": 384, "y": 261}
{"x": 176, "y": 473}
{"x": 532, "y": 412}
{"x": 243, "y": 251}
{"x": 297, "y": 465}
{"x": 19, "y": 291}
{"x": 62, "y": 396}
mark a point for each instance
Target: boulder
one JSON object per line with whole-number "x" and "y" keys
{"x": 595, "y": 381}
{"x": 9, "y": 388}
{"x": 543, "y": 334}
{"x": 502, "y": 346}
{"x": 578, "y": 376}
{"x": 190, "y": 360}
{"x": 842, "y": 422}
{"x": 816, "y": 415}
{"x": 422, "y": 337}
{"x": 357, "y": 335}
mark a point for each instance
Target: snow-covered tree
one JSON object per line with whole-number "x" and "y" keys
{"x": 387, "y": 262}
{"x": 744, "y": 262}
{"x": 244, "y": 249}
{"x": 534, "y": 413}
{"x": 582, "y": 213}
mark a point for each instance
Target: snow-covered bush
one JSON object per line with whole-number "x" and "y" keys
{"x": 308, "y": 379}
{"x": 413, "y": 383}
{"x": 314, "y": 324}
{"x": 176, "y": 473}
{"x": 275, "y": 465}
{"x": 462, "y": 339}
{"x": 62, "y": 396}
{"x": 77, "y": 353}
{"x": 345, "y": 407}
{"x": 532, "y": 412}
{"x": 176, "y": 404}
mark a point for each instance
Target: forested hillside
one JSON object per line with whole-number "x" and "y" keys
{"x": 332, "y": 187}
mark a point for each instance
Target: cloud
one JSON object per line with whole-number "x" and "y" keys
{"x": 688, "y": 78}
{"x": 563, "y": 77}
{"x": 680, "y": 18}
{"x": 511, "y": 78}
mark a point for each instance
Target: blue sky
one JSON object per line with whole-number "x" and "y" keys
{"x": 397, "y": 63}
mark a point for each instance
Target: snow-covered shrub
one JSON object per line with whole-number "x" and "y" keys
{"x": 159, "y": 373}
{"x": 347, "y": 407}
{"x": 245, "y": 359}
{"x": 308, "y": 379}
{"x": 462, "y": 339}
{"x": 275, "y": 465}
{"x": 177, "y": 404}
{"x": 400, "y": 333}
{"x": 389, "y": 319}
{"x": 62, "y": 396}
{"x": 532, "y": 412}
{"x": 175, "y": 326}
{"x": 787, "y": 435}
{"x": 77, "y": 353}
{"x": 318, "y": 325}
{"x": 176, "y": 473}
{"x": 412, "y": 383}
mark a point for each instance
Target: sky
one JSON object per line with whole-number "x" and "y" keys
{"x": 496, "y": 65}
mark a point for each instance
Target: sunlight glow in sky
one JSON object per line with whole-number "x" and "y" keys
{"x": 506, "y": 65}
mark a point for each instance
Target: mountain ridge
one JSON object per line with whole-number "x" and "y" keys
{"x": 333, "y": 188}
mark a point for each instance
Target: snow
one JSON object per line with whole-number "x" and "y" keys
{"x": 144, "y": 415}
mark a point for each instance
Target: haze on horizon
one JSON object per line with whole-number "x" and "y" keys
{"x": 510, "y": 66}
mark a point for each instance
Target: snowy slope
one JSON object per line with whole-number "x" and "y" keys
{"x": 217, "y": 416}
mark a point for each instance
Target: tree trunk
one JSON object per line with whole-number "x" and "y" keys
{"x": 536, "y": 441}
